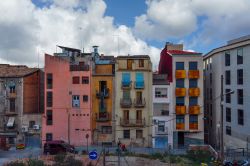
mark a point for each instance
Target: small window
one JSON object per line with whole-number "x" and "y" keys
{"x": 193, "y": 101}
{"x": 211, "y": 110}
{"x": 141, "y": 62}
{"x": 76, "y": 80}
{"x": 228, "y": 130}
{"x": 228, "y": 96}
{"x": 165, "y": 112}
{"x": 227, "y": 58}
{"x": 49, "y": 99}
{"x": 85, "y": 98}
{"x": 161, "y": 92}
{"x": 240, "y": 56}
{"x": 193, "y": 119}
{"x": 180, "y": 119}
{"x": 49, "y": 81}
{"x": 211, "y": 94}
{"x": 12, "y": 105}
{"x": 193, "y": 66}
{"x": 240, "y": 96}
{"x": 179, "y": 83}
{"x": 85, "y": 80}
{"x": 126, "y": 134}
{"x": 49, "y": 117}
{"x": 193, "y": 83}
{"x": 75, "y": 101}
{"x": 228, "y": 77}
{"x": 240, "y": 117}
{"x": 240, "y": 77}
{"x": 49, "y": 136}
{"x": 179, "y": 65}
{"x": 106, "y": 129}
{"x": 210, "y": 78}
{"x": 228, "y": 114}
{"x": 31, "y": 123}
{"x": 139, "y": 133}
{"x": 180, "y": 101}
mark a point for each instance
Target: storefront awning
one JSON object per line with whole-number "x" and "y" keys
{"x": 11, "y": 121}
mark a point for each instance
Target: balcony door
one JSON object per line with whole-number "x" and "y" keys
{"x": 139, "y": 116}
{"x": 138, "y": 97}
{"x": 126, "y": 116}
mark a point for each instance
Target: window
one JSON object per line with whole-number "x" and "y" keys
{"x": 228, "y": 77}
{"x": 227, "y": 58}
{"x": 240, "y": 96}
{"x": 129, "y": 64}
{"x": 193, "y": 66}
{"x": 228, "y": 114}
{"x": 49, "y": 99}
{"x": 211, "y": 94}
{"x": 179, "y": 83}
{"x": 141, "y": 62}
{"x": 210, "y": 78}
{"x": 180, "y": 101}
{"x": 193, "y": 101}
{"x": 165, "y": 112}
{"x": 31, "y": 123}
{"x": 240, "y": 117}
{"x": 12, "y": 105}
{"x": 49, "y": 81}
{"x": 106, "y": 129}
{"x": 75, "y": 80}
{"x": 228, "y": 96}
{"x": 193, "y": 119}
{"x": 126, "y": 134}
{"x": 126, "y": 79}
{"x": 49, "y": 136}
{"x": 139, "y": 133}
{"x": 180, "y": 119}
{"x": 193, "y": 83}
{"x": 49, "y": 117}
{"x": 126, "y": 94}
{"x": 211, "y": 110}
{"x": 228, "y": 130}
{"x": 161, "y": 92}
{"x": 179, "y": 65}
{"x": 85, "y": 80}
{"x": 240, "y": 77}
{"x": 75, "y": 101}
{"x": 161, "y": 126}
{"x": 239, "y": 56}
{"x": 85, "y": 98}
{"x": 12, "y": 88}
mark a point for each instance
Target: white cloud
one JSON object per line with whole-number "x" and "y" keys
{"x": 25, "y": 28}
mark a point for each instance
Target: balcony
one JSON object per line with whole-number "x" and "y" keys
{"x": 103, "y": 94}
{"x": 126, "y": 85}
{"x": 126, "y": 102}
{"x": 102, "y": 106}
{"x": 180, "y": 92}
{"x": 193, "y": 74}
{"x": 193, "y": 126}
{"x": 132, "y": 122}
{"x": 12, "y": 95}
{"x": 161, "y": 132}
{"x": 139, "y": 85}
{"x": 10, "y": 113}
{"x": 102, "y": 117}
{"x": 180, "y": 126}
{"x": 139, "y": 103}
{"x": 194, "y": 110}
{"x": 180, "y": 110}
{"x": 194, "y": 92}
{"x": 180, "y": 74}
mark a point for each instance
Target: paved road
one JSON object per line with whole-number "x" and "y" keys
{"x": 14, "y": 154}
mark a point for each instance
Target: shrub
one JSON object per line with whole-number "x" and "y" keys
{"x": 70, "y": 160}
{"x": 35, "y": 162}
{"x": 15, "y": 163}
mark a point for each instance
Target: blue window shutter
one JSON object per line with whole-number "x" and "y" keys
{"x": 126, "y": 79}
{"x": 139, "y": 80}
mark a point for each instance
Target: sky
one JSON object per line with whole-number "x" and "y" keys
{"x": 31, "y": 28}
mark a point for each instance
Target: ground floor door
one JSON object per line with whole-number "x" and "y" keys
{"x": 161, "y": 142}
{"x": 180, "y": 139}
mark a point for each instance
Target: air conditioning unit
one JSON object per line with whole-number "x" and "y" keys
{"x": 36, "y": 127}
{"x": 25, "y": 129}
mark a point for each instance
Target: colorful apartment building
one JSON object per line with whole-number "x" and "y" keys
{"x": 163, "y": 113}
{"x": 187, "y": 94}
{"x": 67, "y": 114}
{"x": 133, "y": 100}
{"x": 21, "y": 103}
{"x": 103, "y": 72}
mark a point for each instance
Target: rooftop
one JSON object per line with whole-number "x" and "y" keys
{"x": 133, "y": 57}
{"x": 9, "y": 71}
{"x": 180, "y": 52}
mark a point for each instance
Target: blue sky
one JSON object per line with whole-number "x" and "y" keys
{"x": 30, "y": 28}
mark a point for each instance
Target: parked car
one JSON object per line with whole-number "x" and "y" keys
{"x": 55, "y": 147}
{"x": 236, "y": 163}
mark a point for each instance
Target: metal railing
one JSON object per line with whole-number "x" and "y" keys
{"x": 138, "y": 103}
{"x": 126, "y": 102}
{"x": 104, "y": 93}
{"x": 132, "y": 122}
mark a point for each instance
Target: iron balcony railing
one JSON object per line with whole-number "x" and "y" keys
{"x": 103, "y": 94}
{"x": 139, "y": 103}
{"x": 126, "y": 84}
{"x": 103, "y": 117}
{"x": 126, "y": 102}
{"x": 132, "y": 122}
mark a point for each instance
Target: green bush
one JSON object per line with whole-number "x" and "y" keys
{"x": 71, "y": 161}
{"x": 199, "y": 155}
{"x": 16, "y": 163}
{"x": 35, "y": 162}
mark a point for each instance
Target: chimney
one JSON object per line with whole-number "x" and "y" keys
{"x": 171, "y": 46}
{"x": 95, "y": 49}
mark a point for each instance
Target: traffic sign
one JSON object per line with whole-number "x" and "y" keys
{"x": 93, "y": 155}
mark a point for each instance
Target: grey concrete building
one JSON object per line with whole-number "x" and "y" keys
{"x": 226, "y": 74}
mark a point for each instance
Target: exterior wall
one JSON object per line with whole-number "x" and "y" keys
{"x": 190, "y": 136}
{"x": 69, "y": 124}
{"x": 121, "y": 66}
{"x": 239, "y": 133}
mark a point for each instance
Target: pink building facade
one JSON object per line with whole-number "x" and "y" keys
{"x": 67, "y": 114}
